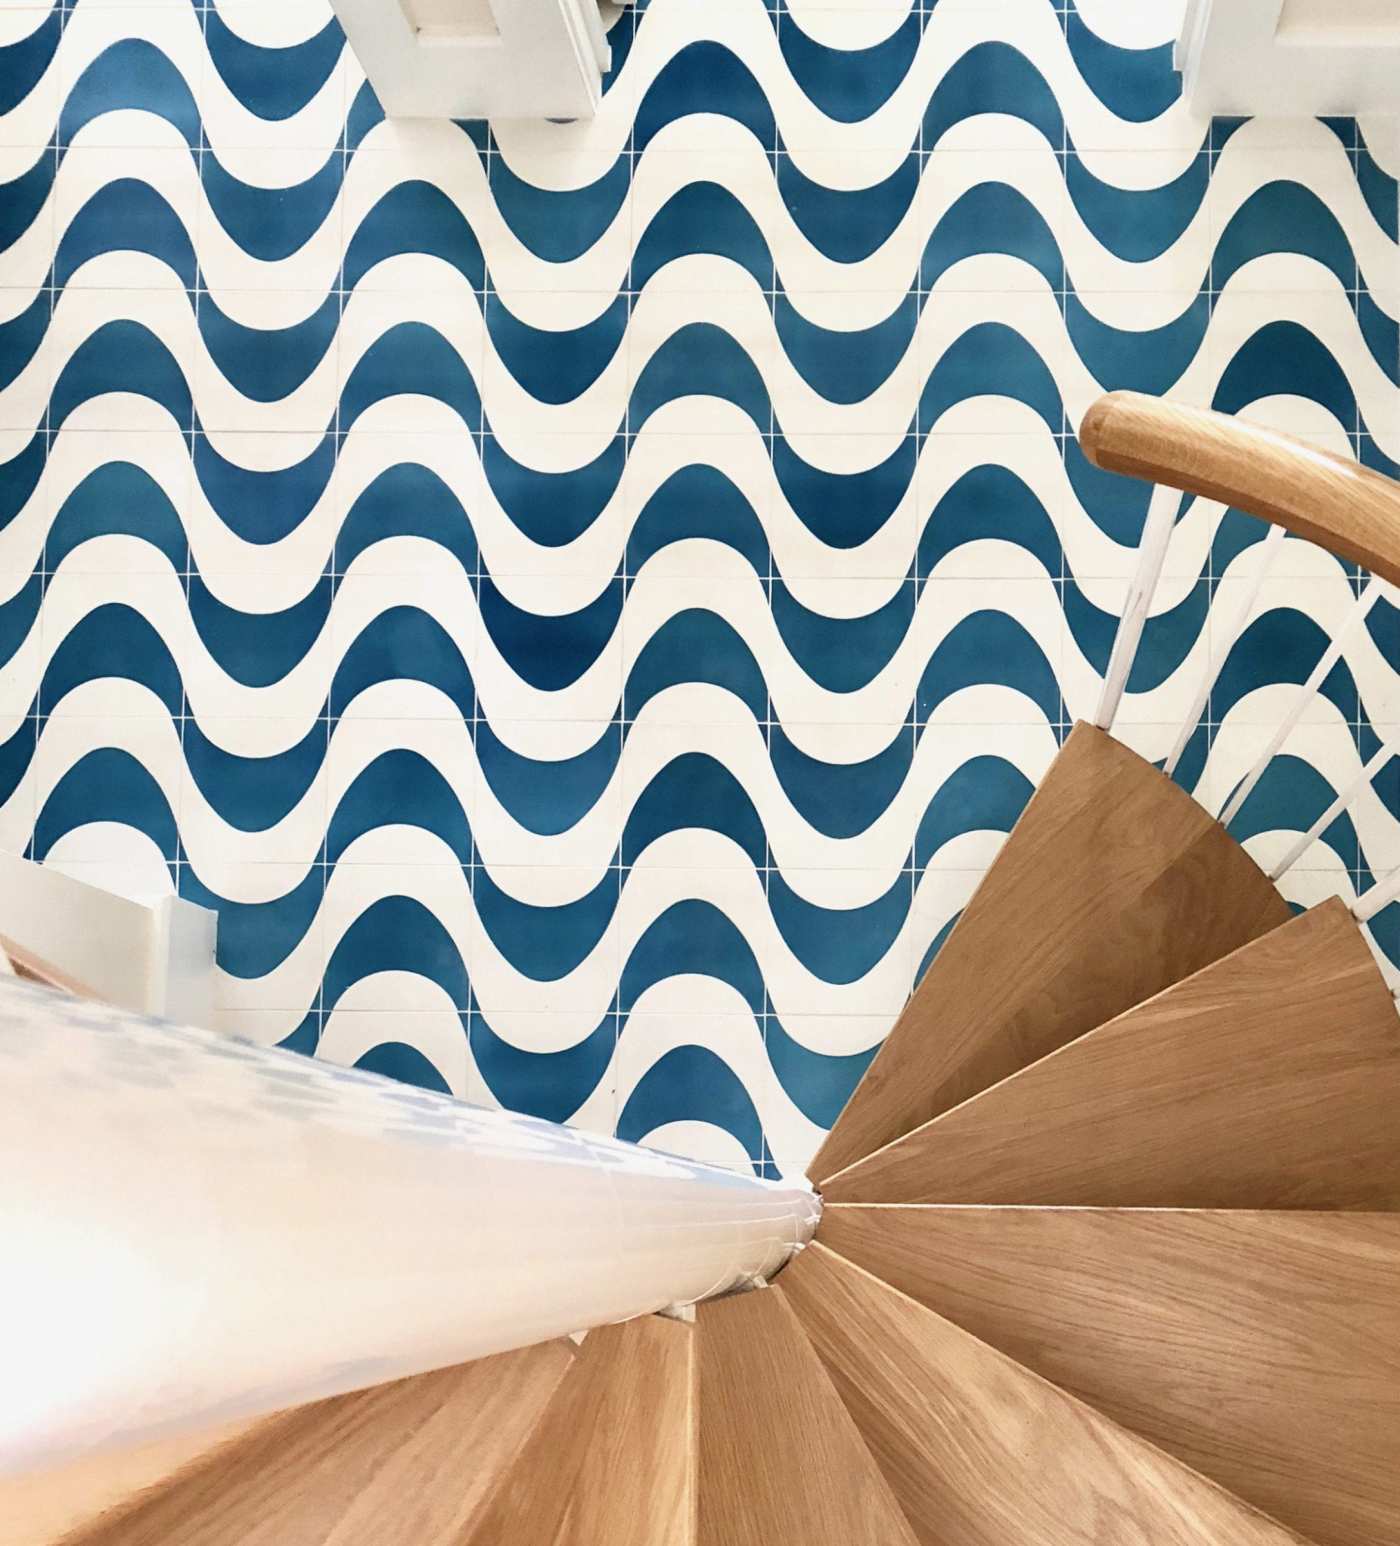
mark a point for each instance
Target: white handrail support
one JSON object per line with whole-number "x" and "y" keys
{"x": 1268, "y": 552}
{"x": 1360, "y": 610}
{"x": 1305, "y": 840}
{"x": 1152, "y": 552}
{"x": 1379, "y": 897}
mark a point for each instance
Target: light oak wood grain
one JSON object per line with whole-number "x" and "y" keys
{"x": 1113, "y": 884}
{"x": 980, "y": 1451}
{"x": 410, "y": 1461}
{"x": 1337, "y": 503}
{"x": 19, "y": 961}
{"x": 780, "y": 1459}
{"x": 1261, "y": 1348}
{"x": 43, "y": 1506}
{"x": 1269, "y": 1080}
{"x": 611, "y": 1463}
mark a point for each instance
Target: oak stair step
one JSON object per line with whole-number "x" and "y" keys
{"x": 1263, "y": 1349}
{"x": 1113, "y": 884}
{"x": 980, "y": 1451}
{"x": 44, "y": 1506}
{"x": 779, "y": 1457}
{"x": 611, "y": 1461}
{"x": 1268, "y": 1080}
{"x": 413, "y": 1460}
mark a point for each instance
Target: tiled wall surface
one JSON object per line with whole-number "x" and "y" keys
{"x": 586, "y": 602}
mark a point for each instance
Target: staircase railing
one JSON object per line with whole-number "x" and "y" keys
{"x": 1343, "y": 507}
{"x": 198, "y": 1229}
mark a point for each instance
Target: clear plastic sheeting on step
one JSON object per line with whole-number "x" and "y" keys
{"x": 198, "y": 1228}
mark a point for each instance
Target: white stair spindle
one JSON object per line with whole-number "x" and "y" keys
{"x": 1379, "y": 897}
{"x": 1268, "y": 552}
{"x": 1152, "y": 553}
{"x": 1328, "y": 659}
{"x": 1305, "y": 840}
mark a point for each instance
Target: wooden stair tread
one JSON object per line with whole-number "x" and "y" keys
{"x": 779, "y": 1458}
{"x": 1261, "y": 1348}
{"x": 1268, "y": 1080}
{"x": 1113, "y": 884}
{"x": 612, "y": 1459}
{"x": 19, "y": 961}
{"x": 412, "y": 1460}
{"x": 980, "y": 1451}
{"x": 44, "y": 1506}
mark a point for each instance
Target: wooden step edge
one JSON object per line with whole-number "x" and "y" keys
{"x": 1259, "y": 1346}
{"x": 611, "y": 1456}
{"x": 1131, "y": 1439}
{"x": 1332, "y": 912}
{"x": 19, "y": 961}
{"x": 60, "y": 1502}
{"x": 92, "y": 1525}
{"x": 779, "y": 1455}
{"x": 1120, "y": 766}
{"x": 183, "y": 1505}
{"x": 838, "y": 1208}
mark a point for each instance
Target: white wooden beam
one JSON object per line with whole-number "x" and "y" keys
{"x": 480, "y": 58}
{"x": 154, "y": 955}
{"x": 1291, "y": 58}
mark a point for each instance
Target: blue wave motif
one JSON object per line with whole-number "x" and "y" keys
{"x": 118, "y": 499}
{"x": 692, "y": 1084}
{"x": 850, "y": 84}
{"x": 271, "y": 223}
{"x": 24, "y": 197}
{"x": 106, "y": 785}
{"x": 263, "y": 507}
{"x": 1134, "y": 84}
{"x": 414, "y": 216}
{"x": 23, "y": 63}
{"x": 694, "y": 81}
{"x": 990, "y": 358}
{"x": 274, "y": 83}
{"x": 546, "y": 942}
{"x": 132, "y": 74}
{"x": 127, "y": 215}
{"x": 979, "y": 503}
{"x": 560, "y": 226}
{"x": 551, "y": 1085}
{"x": 268, "y": 364}
{"x": 993, "y": 78}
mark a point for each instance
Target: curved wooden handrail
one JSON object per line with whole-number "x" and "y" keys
{"x": 1342, "y": 506}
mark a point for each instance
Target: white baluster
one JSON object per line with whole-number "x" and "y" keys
{"x": 1268, "y": 552}
{"x": 1152, "y": 553}
{"x": 1305, "y": 840}
{"x": 1379, "y": 897}
{"x": 1328, "y": 659}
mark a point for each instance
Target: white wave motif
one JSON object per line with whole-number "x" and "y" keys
{"x": 886, "y": 134}
{"x": 557, "y": 437}
{"x": 444, "y": 550}
{"x": 813, "y": 280}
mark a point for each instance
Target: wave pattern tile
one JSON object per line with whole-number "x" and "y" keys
{"x": 586, "y": 601}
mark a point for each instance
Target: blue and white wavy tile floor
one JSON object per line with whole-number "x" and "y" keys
{"x": 586, "y": 602}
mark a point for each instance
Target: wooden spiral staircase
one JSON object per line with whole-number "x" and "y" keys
{"x": 1111, "y": 1245}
